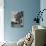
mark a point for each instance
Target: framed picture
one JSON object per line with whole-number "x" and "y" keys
{"x": 17, "y": 19}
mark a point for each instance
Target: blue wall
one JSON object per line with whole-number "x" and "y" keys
{"x": 29, "y": 7}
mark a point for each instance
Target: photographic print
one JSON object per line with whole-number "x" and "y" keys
{"x": 17, "y": 19}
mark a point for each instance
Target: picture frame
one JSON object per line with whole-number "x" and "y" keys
{"x": 17, "y": 19}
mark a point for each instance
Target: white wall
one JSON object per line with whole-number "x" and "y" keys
{"x": 1, "y": 21}
{"x": 43, "y": 6}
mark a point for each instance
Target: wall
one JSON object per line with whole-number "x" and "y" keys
{"x": 43, "y": 6}
{"x": 29, "y": 7}
{"x": 1, "y": 24}
{"x": 1, "y": 21}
